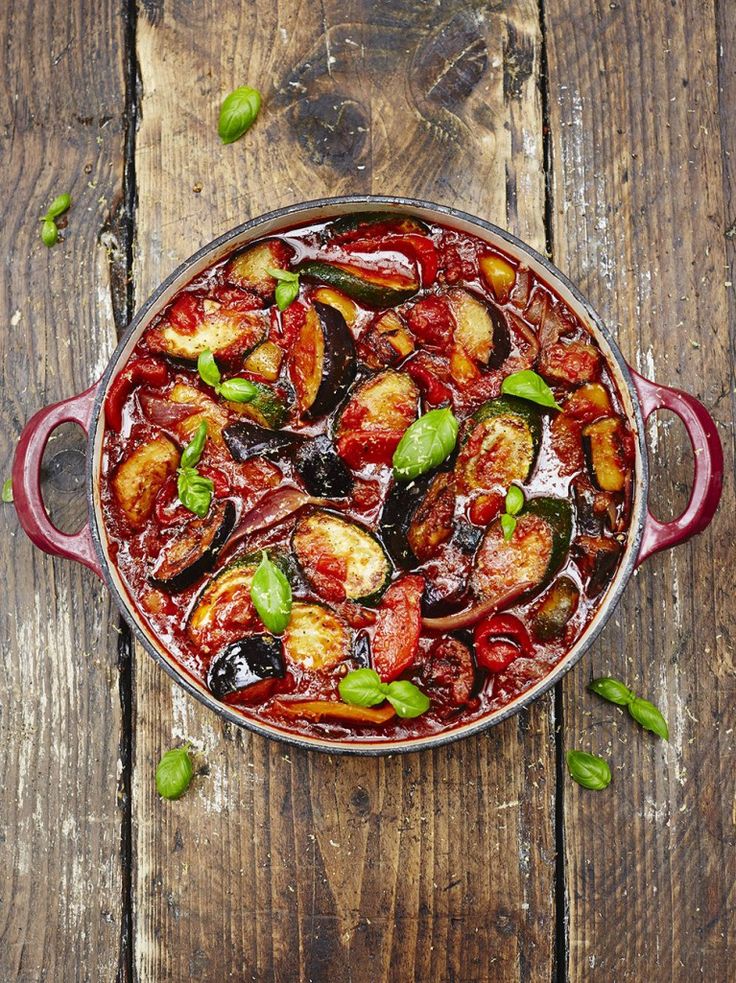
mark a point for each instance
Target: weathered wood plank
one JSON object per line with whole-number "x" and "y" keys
{"x": 281, "y": 864}
{"x": 62, "y": 102}
{"x": 639, "y": 220}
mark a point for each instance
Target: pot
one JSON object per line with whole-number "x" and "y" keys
{"x": 641, "y": 397}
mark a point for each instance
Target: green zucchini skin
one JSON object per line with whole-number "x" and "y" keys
{"x": 360, "y": 287}
{"x": 518, "y": 407}
{"x": 321, "y": 534}
{"x": 526, "y": 417}
{"x": 403, "y": 224}
{"x": 557, "y": 513}
{"x": 555, "y": 610}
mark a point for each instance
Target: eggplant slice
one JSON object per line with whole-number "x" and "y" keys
{"x": 185, "y": 558}
{"x": 244, "y": 663}
{"x": 245, "y": 440}
{"x": 324, "y": 473}
{"x": 322, "y": 363}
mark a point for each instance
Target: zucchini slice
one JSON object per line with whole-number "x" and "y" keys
{"x": 366, "y": 222}
{"x": 501, "y": 445}
{"x": 138, "y": 480}
{"x": 536, "y": 549}
{"x": 480, "y": 330}
{"x": 246, "y": 670}
{"x": 229, "y": 334}
{"x": 185, "y": 558}
{"x": 369, "y": 287}
{"x": 340, "y": 559}
{"x": 608, "y": 450}
{"x": 268, "y": 407}
{"x": 322, "y": 361}
{"x": 249, "y": 268}
{"x": 374, "y": 420}
{"x": 556, "y": 608}
{"x": 224, "y": 612}
{"x": 315, "y": 637}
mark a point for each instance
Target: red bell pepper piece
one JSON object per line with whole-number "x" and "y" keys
{"x": 141, "y": 371}
{"x": 499, "y": 640}
{"x": 396, "y": 637}
{"x": 417, "y": 248}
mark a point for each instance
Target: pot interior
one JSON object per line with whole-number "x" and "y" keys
{"x": 280, "y": 221}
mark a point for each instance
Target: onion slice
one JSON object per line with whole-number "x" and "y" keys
{"x": 470, "y": 616}
{"x": 163, "y": 412}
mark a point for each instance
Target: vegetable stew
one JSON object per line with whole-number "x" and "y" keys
{"x": 378, "y": 502}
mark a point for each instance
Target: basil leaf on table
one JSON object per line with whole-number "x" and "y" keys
{"x": 646, "y": 714}
{"x": 207, "y": 368}
{"x": 271, "y": 596}
{"x": 362, "y": 688}
{"x": 238, "y": 113}
{"x": 193, "y": 451}
{"x": 174, "y": 773}
{"x": 287, "y": 288}
{"x": 425, "y": 444}
{"x": 588, "y": 770}
{"x": 7, "y": 491}
{"x": 406, "y": 698}
{"x": 58, "y": 206}
{"x": 528, "y": 385}
{"x": 611, "y": 690}
{"x": 49, "y": 233}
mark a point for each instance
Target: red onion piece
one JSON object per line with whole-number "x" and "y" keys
{"x": 163, "y": 412}
{"x": 468, "y": 617}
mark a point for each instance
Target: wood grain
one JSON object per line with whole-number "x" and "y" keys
{"x": 638, "y": 220}
{"x": 281, "y": 864}
{"x": 62, "y": 104}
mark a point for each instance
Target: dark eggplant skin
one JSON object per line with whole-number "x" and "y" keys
{"x": 246, "y": 439}
{"x": 501, "y": 338}
{"x": 207, "y": 536}
{"x": 322, "y": 470}
{"x": 245, "y": 662}
{"x": 338, "y": 364}
{"x": 401, "y": 503}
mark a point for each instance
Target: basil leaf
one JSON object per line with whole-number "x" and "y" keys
{"x": 237, "y": 390}
{"x": 508, "y": 524}
{"x": 612, "y": 690}
{"x": 425, "y": 444}
{"x": 59, "y": 205}
{"x": 528, "y": 385}
{"x": 406, "y": 698}
{"x": 646, "y": 714}
{"x": 193, "y": 451}
{"x": 238, "y": 113}
{"x": 195, "y": 491}
{"x": 49, "y": 233}
{"x": 174, "y": 773}
{"x": 588, "y": 770}
{"x": 514, "y": 500}
{"x": 271, "y": 595}
{"x": 207, "y": 368}
{"x": 287, "y": 292}
{"x": 287, "y": 276}
{"x": 362, "y": 688}
{"x": 7, "y": 490}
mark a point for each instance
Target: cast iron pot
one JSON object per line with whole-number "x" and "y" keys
{"x": 640, "y": 396}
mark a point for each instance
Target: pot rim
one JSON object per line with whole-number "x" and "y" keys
{"x": 612, "y": 595}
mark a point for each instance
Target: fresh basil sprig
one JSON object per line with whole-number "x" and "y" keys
{"x": 528, "y": 385}
{"x": 49, "y": 229}
{"x": 588, "y": 770}
{"x": 287, "y": 288}
{"x": 7, "y": 495}
{"x": 425, "y": 444}
{"x": 514, "y": 504}
{"x": 174, "y": 773}
{"x": 640, "y": 710}
{"x": 363, "y": 688}
{"x": 194, "y": 490}
{"x": 234, "y": 390}
{"x": 271, "y": 595}
{"x": 238, "y": 113}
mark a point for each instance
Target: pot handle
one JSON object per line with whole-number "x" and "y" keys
{"x": 26, "y": 478}
{"x": 708, "y": 466}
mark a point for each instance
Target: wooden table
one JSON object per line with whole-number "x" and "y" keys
{"x": 603, "y": 132}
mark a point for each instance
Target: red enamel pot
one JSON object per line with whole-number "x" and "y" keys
{"x": 640, "y": 396}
